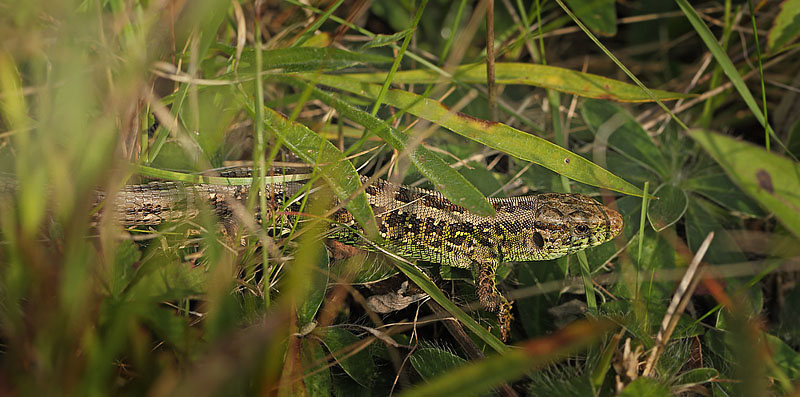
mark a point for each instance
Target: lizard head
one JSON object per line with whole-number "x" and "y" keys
{"x": 562, "y": 225}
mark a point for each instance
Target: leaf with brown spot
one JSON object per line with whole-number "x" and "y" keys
{"x": 771, "y": 179}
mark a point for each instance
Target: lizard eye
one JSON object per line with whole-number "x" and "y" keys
{"x": 581, "y": 228}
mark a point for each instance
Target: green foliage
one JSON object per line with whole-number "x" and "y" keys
{"x": 786, "y": 26}
{"x": 599, "y": 15}
{"x": 397, "y": 90}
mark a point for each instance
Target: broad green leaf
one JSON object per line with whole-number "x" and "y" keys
{"x": 645, "y": 387}
{"x": 431, "y": 362}
{"x": 486, "y": 374}
{"x": 598, "y": 15}
{"x": 344, "y": 385}
{"x": 635, "y": 173}
{"x": 320, "y": 40}
{"x": 164, "y": 323}
{"x": 697, "y": 376}
{"x": 159, "y": 281}
{"x": 560, "y": 79}
{"x": 122, "y": 272}
{"x": 453, "y": 273}
{"x": 771, "y": 179}
{"x": 496, "y": 135}
{"x": 359, "y": 366}
{"x": 717, "y": 187}
{"x": 173, "y": 156}
{"x": 421, "y": 280}
{"x": 703, "y": 217}
{"x": 209, "y": 119}
{"x": 445, "y": 179}
{"x": 669, "y": 208}
{"x": 532, "y": 310}
{"x": 316, "y": 282}
{"x": 786, "y": 26}
{"x": 339, "y": 173}
{"x": 619, "y": 130}
{"x": 786, "y": 358}
{"x": 317, "y": 378}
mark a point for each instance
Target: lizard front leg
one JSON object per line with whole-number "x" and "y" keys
{"x": 490, "y": 297}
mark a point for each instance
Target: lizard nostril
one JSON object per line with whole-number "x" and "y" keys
{"x": 615, "y": 222}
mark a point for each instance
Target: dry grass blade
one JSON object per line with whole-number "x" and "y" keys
{"x": 679, "y": 301}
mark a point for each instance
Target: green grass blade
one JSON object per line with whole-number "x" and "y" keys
{"x": 496, "y": 135}
{"x": 388, "y": 80}
{"x": 338, "y": 172}
{"x": 619, "y": 64}
{"x": 553, "y": 77}
{"x": 727, "y": 66}
{"x": 214, "y": 180}
{"x": 586, "y": 275}
{"x": 448, "y": 181}
{"x": 642, "y": 218}
{"x": 604, "y": 363}
{"x": 760, "y": 72}
{"x": 421, "y": 280}
{"x": 309, "y": 31}
{"x": 302, "y": 59}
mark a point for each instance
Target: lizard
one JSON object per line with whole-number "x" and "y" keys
{"x": 413, "y": 223}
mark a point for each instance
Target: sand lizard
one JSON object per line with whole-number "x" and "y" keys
{"x": 414, "y": 223}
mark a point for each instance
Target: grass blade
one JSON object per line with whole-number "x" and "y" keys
{"x": 560, "y": 79}
{"x": 448, "y": 181}
{"x": 496, "y": 135}
{"x": 727, "y": 66}
{"x": 339, "y": 173}
{"x": 421, "y": 280}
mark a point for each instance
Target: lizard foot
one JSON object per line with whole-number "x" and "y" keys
{"x": 504, "y": 319}
{"x": 492, "y": 300}
{"x": 486, "y": 289}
